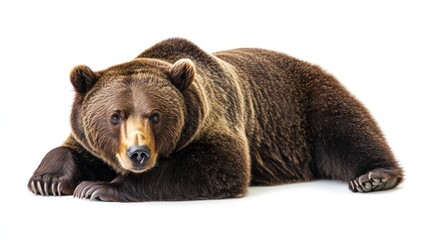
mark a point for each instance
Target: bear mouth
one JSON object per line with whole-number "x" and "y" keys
{"x": 138, "y": 168}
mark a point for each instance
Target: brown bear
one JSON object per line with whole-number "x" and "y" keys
{"x": 177, "y": 123}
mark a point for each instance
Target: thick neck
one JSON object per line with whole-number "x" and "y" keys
{"x": 196, "y": 112}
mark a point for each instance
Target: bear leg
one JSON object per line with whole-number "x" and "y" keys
{"x": 347, "y": 143}
{"x": 207, "y": 169}
{"x": 63, "y": 168}
{"x": 57, "y": 174}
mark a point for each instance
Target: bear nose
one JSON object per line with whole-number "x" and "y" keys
{"x": 138, "y": 153}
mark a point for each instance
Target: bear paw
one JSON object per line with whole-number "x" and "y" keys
{"x": 95, "y": 191}
{"x": 376, "y": 180}
{"x": 48, "y": 184}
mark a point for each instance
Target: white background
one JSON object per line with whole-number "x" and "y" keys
{"x": 377, "y": 49}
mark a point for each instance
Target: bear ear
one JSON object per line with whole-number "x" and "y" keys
{"x": 83, "y": 78}
{"x": 182, "y": 73}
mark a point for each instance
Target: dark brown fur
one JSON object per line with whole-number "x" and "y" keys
{"x": 230, "y": 119}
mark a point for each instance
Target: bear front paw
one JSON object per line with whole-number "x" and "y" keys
{"x": 95, "y": 191}
{"x": 47, "y": 185}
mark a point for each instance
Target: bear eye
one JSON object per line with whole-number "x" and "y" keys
{"x": 115, "y": 119}
{"x": 154, "y": 117}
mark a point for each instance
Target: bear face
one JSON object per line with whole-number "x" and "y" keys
{"x": 131, "y": 114}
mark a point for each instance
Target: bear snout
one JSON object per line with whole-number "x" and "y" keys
{"x": 137, "y": 151}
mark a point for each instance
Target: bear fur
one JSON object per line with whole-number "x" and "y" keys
{"x": 177, "y": 123}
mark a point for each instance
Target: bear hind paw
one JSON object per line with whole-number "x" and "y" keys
{"x": 375, "y": 180}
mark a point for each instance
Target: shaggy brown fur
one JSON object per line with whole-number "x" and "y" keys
{"x": 211, "y": 125}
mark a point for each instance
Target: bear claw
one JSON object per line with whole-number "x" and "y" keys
{"x": 36, "y": 188}
{"x": 102, "y": 191}
{"x": 47, "y": 187}
{"x": 91, "y": 190}
{"x": 39, "y": 187}
{"x": 33, "y": 187}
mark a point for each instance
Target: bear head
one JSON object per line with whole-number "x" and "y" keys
{"x": 131, "y": 114}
